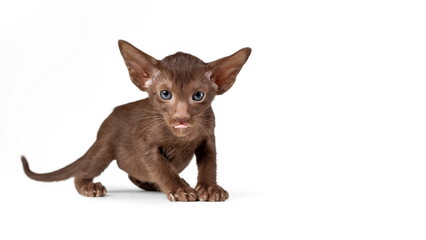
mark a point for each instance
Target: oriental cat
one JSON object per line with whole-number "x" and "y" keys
{"x": 154, "y": 139}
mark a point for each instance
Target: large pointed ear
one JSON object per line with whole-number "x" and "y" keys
{"x": 225, "y": 70}
{"x": 142, "y": 67}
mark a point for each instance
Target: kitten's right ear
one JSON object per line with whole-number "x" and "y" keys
{"x": 142, "y": 67}
{"x": 225, "y": 70}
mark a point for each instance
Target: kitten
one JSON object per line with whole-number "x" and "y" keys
{"x": 154, "y": 139}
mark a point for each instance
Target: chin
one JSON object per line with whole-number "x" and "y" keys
{"x": 181, "y": 132}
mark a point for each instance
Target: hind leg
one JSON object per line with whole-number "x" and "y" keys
{"x": 147, "y": 186}
{"x": 96, "y": 160}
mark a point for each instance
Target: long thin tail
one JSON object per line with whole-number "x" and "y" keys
{"x": 59, "y": 175}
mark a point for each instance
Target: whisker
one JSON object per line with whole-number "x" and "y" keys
{"x": 203, "y": 126}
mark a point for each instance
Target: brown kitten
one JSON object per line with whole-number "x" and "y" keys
{"x": 154, "y": 139}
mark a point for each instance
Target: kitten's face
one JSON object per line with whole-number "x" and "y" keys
{"x": 182, "y": 94}
{"x": 181, "y": 87}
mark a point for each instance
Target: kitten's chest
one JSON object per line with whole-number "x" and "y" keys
{"x": 179, "y": 155}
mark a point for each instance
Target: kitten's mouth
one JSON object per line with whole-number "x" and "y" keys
{"x": 181, "y": 126}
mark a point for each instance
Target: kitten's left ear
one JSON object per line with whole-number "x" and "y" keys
{"x": 225, "y": 70}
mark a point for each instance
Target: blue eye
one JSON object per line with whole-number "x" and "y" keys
{"x": 198, "y": 96}
{"x": 166, "y": 95}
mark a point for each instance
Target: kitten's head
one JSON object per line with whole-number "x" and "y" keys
{"x": 181, "y": 87}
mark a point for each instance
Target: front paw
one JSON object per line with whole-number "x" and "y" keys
{"x": 212, "y": 193}
{"x": 183, "y": 195}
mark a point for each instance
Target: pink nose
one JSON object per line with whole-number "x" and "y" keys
{"x": 181, "y": 113}
{"x": 182, "y": 119}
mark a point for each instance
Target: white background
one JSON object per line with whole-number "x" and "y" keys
{"x": 322, "y": 136}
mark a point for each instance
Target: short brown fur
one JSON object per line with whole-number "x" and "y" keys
{"x": 154, "y": 139}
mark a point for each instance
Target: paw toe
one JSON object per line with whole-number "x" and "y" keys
{"x": 90, "y": 189}
{"x": 212, "y": 194}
